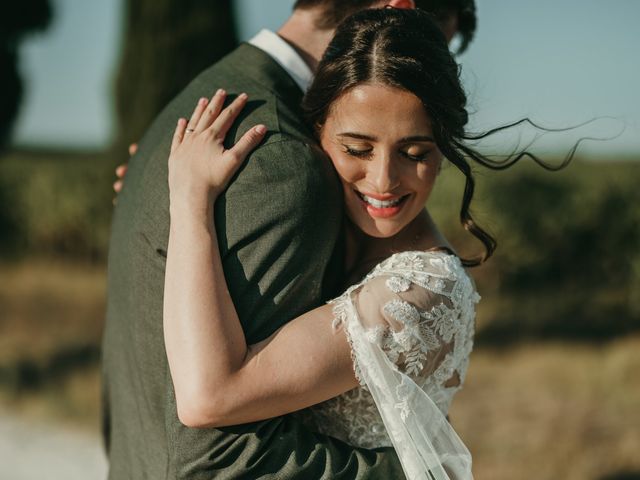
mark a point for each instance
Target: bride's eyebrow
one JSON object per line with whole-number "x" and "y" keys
{"x": 362, "y": 136}
{"x": 358, "y": 136}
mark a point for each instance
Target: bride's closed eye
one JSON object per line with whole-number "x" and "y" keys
{"x": 359, "y": 152}
{"x": 416, "y": 157}
{"x": 413, "y": 153}
{"x": 416, "y": 153}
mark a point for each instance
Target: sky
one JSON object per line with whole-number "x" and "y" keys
{"x": 560, "y": 63}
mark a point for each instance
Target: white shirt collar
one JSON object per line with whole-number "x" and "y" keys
{"x": 286, "y": 56}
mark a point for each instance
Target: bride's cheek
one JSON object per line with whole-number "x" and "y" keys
{"x": 347, "y": 169}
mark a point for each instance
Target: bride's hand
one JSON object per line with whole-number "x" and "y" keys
{"x": 200, "y": 167}
{"x": 121, "y": 172}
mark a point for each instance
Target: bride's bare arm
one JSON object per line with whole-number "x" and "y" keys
{"x": 219, "y": 380}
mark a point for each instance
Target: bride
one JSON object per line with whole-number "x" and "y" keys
{"x": 378, "y": 365}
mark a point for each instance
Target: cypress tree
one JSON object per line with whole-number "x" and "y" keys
{"x": 17, "y": 20}
{"x": 166, "y": 44}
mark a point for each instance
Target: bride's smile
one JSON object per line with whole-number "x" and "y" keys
{"x": 382, "y": 206}
{"x": 381, "y": 143}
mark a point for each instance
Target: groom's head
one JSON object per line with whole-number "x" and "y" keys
{"x": 453, "y": 16}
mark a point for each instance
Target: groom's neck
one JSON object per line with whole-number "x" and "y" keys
{"x": 302, "y": 33}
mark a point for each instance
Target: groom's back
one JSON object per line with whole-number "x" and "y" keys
{"x": 277, "y": 224}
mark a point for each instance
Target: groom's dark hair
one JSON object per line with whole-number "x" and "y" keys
{"x": 464, "y": 10}
{"x": 335, "y": 11}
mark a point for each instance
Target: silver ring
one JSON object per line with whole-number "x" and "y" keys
{"x": 190, "y": 130}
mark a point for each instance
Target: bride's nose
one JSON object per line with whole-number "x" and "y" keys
{"x": 382, "y": 173}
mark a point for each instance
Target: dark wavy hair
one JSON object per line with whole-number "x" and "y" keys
{"x": 406, "y": 49}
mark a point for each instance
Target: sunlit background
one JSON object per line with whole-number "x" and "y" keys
{"x": 553, "y": 390}
{"x": 561, "y": 63}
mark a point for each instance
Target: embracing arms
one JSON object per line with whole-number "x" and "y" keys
{"x": 219, "y": 380}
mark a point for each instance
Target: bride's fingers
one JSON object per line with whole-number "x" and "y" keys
{"x": 246, "y": 144}
{"x": 178, "y": 135}
{"x": 223, "y": 123}
{"x": 212, "y": 111}
{"x": 197, "y": 113}
{"x": 121, "y": 170}
{"x": 133, "y": 148}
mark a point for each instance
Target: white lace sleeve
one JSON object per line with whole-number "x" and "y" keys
{"x": 410, "y": 327}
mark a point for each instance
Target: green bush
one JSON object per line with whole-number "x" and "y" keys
{"x": 55, "y": 205}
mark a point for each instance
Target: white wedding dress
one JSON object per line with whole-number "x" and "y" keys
{"x": 410, "y": 324}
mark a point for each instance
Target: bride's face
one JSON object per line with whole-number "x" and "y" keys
{"x": 381, "y": 143}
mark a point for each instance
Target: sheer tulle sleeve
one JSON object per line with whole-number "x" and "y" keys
{"x": 410, "y": 326}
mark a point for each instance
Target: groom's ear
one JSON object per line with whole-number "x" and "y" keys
{"x": 406, "y": 4}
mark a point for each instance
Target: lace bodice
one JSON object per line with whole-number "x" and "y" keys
{"x": 419, "y": 309}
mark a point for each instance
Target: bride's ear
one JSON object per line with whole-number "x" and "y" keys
{"x": 406, "y": 4}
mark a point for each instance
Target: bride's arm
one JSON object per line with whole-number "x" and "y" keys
{"x": 219, "y": 380}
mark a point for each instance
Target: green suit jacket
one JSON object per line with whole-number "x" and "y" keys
{"x": 279, "y": 225}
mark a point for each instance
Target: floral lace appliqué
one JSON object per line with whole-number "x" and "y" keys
{"x": 430, "y": 342}
{"x": 398, "y": 284}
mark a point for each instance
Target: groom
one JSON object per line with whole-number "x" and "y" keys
{"x": 279, "y": 228}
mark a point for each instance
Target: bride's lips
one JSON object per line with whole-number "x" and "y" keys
{"x": 379, "y": 206}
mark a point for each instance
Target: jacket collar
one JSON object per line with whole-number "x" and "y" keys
{"x": 285, "y": 55}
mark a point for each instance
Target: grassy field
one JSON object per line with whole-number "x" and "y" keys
{"x": 50, "y": 327}
{"x": 553, "y": 410}
{"x": 544, "y": 410}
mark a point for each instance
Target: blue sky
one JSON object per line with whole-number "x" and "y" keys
{"x": 558, "y": 62}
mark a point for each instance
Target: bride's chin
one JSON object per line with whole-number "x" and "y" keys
{"x": 375, "y": 228}
{"x": 379, "y": 231}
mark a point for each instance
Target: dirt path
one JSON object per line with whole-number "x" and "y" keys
{"x": 30, "y": 451}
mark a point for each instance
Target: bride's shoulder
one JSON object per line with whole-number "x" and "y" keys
{"x": 437, "y": 262}
{"x": 424, "y": 276}
{"x": 435, "y": 271}
{"x": 412, "y": 300}
{"x": 425, "y": 268}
